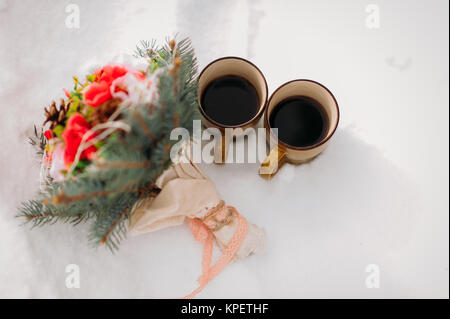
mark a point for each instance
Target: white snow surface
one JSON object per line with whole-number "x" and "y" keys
{"x": 378, "y": 194}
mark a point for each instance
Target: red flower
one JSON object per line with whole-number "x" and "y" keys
{"x": 99, "y": 92}
{"x": 76, "y": 127}
{"x": 48, "y": 134}
{"x": 67, "y": 93}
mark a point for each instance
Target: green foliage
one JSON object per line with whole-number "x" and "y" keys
{"x": 129, "y": 163}
{"x": 38, "y": 141}
{"x": 58, "y": 130}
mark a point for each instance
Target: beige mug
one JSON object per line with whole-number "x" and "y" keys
{"x": 236, "y": 67}
{"x": 283, "y": 152}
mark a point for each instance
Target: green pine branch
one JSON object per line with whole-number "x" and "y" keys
{"x": 38, "y": 141}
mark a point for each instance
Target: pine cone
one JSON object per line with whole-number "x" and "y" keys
{"x": 104, "y": 111}
{"x": 56, "y": 116}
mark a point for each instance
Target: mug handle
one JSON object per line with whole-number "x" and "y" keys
{"x": 221, "y": 148}
{"x": 273, "y": 161}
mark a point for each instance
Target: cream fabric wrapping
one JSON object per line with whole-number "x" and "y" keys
{"x": 186, "y": 192}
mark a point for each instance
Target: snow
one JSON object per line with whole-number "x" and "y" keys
{"x": 378, "y": 194}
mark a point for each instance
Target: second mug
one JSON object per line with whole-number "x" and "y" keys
{"x": 300, "y": 119}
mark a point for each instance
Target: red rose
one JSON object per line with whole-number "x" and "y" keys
{"x": 99, "y": 92}
{"x": 76, "y": 127}
{"x": 48, "y": 134}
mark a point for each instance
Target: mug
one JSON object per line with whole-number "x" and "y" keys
{"x": 246, "y": 70}
{"x": 284, "y": 152}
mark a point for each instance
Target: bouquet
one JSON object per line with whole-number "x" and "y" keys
{"x": 105, "y": 158}
{"x": 105, "y": 144}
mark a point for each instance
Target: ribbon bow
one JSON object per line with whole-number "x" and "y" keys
{"x": 203, "y": 228}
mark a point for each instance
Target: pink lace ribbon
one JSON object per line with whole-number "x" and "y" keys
{"x": 202, "y": 231}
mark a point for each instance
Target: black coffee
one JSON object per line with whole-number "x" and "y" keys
{"x": 301, "y": 121}
{"x": 230, "y": 100}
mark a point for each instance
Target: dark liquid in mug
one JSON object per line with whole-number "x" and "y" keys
{"x": 230, "y": 100}
{"x": 301, "y": 121}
